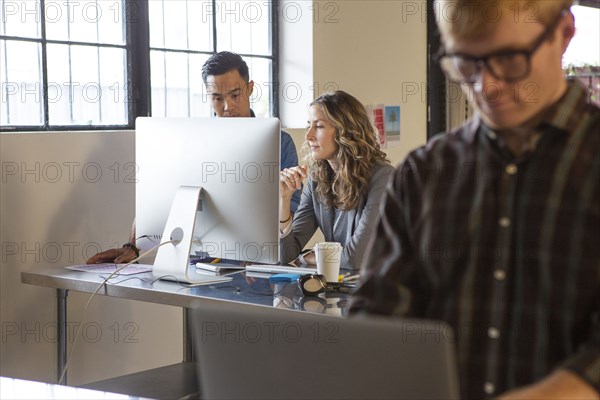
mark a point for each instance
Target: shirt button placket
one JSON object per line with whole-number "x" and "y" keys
{"x": 504, "y": 222}
{"x": 493, "y": 333}
{"x": 511, "y": 169}
{"x": 499, "y": 275}
{"x": 489, "y": 388}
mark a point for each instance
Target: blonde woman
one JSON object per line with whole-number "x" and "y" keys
{"x": 347, "y": 174}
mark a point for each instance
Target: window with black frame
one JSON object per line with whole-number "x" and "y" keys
{"x": 74, "y": 64}
{"x": 63, "y": 63}
{"x": 183, "y": 34}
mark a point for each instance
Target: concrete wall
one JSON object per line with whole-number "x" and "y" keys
{"x": 63, "y": 196}
{"x": 374, "y": 50}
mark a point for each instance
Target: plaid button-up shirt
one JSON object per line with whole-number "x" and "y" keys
{"x": 504, "y": 249}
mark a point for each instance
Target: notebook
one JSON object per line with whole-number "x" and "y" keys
{"x": 257, "y": 352}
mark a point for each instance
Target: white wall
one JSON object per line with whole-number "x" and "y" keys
{"x": 296, "y": 62}
{"x": 62, "y": 197}
{"x": 374, "y": 50}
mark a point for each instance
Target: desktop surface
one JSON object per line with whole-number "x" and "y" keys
{"x": 244, "y": 287}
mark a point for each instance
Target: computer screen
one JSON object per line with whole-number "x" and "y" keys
{"x": 236, "y": 163}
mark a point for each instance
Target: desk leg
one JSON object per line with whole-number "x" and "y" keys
{"x": 61, "y": 337}
{"x": 188, "y": 347}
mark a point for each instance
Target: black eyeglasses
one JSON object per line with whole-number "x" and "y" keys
{"x": 507, "y": 65}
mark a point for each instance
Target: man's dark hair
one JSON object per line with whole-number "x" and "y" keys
{"x": 223, "y": 62}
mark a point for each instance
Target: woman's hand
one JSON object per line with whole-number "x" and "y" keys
{"x": 290, "y": 180}
{"x": 310, "y": 258}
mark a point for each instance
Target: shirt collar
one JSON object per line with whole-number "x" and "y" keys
{"x": 566, "y": 112}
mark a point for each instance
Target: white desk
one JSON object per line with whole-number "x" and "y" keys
{"x": 143, "y": 288}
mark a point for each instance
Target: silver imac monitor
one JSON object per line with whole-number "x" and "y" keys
{"x": 234, "y": 161}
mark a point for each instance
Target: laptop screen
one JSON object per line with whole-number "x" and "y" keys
{"x": 250, "y": 352}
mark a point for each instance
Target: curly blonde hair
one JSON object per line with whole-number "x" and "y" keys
{"x": 357, "y": 152}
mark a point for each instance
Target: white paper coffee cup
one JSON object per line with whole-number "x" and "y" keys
{"x": 328, "y": 255}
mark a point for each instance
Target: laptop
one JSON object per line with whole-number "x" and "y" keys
{"x": 257, "y": 352}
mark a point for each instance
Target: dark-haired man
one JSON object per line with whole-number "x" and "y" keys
{"x": 229, "y": 87}
{"x": 494, "y": 227}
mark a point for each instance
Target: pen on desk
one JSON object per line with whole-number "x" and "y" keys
{"x": 342, "y": 277}
{"x": 216, "y": 260}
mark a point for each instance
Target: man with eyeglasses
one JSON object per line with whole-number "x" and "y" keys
{"x": 494, "y": 226}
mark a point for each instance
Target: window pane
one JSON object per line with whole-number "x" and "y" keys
{"x": 168, "y": 24}
{"x": 584, "y": 49}
{"x": 20, "y": 80}
{"x": 170, "y": 84}
{"x": 177, "y": 99}
{"x": 260, "y": 73}
{"x": 181, "y": 24}
{"x": 200, "y": 106}
{"x": 157, "y": 83}
{"x": 111, "y": 21}
{"x": 75, "y": 74}
{"x": 243, "y": 27}
{"x": 200, "y": 25}
{"x": 82, "y": 93}
{"x": 20, "y": 18}
{"x": 582, "y": 58}
{"x": 155, "y": 16}
{"x": 59, "y": 104}
{"x": 175, "y": 24}
{"x": 84, "y": 84}
{"x": 113, "y": 102}
{"x": 57, "y": 20}
{"x": 94, "y": 21}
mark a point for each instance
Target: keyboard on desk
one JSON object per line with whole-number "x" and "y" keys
{"x": 217, "y": 267}
{"x": 109, "y": 268}
{"x": 280, "y": 269}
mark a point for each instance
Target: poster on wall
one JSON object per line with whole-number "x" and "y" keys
{"x": 376, "y": 114}
{"x": 392, "y": 126}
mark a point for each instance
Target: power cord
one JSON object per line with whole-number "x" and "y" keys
{"x": 62, "y": 375}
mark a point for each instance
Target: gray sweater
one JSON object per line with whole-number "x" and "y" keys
{"x": 352, "y": 229}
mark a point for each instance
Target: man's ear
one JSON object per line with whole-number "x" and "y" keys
{"x": 250, "y": 88}
{"x": 567, "y": 30}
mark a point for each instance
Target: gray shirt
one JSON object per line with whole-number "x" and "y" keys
{"x": 351, "y": 228}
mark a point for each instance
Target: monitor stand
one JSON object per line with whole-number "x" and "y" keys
{"x": 172, "y": 260}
